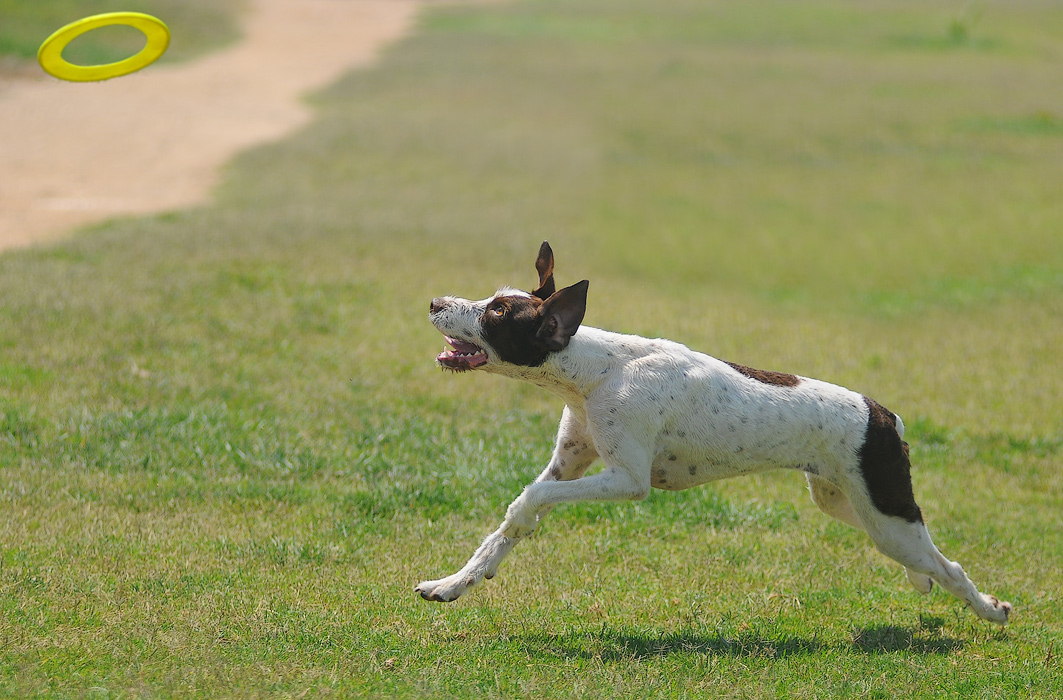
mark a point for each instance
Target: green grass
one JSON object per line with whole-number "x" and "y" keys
{"x": 195, "y": 25}
{"x": 226, "y": 457}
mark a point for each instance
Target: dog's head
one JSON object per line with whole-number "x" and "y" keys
{"x": 511, "y": 327}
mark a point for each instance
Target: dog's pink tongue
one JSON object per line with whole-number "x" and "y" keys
{"x": 454, "y": 359}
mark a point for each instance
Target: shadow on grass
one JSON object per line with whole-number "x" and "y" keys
{"x": 628, "y": 645}
{"x": 890, "y": 638}
{"x": 623, "y": 645}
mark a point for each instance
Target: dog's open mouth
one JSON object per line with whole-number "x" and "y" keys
{"x": 464, "y": 355}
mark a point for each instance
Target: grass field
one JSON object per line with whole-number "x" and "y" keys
{"x": 226, "y": 456}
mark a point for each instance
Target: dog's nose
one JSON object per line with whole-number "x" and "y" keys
{"x": 437, "y": 305}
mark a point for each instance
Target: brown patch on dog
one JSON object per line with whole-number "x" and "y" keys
{"x": 765, "y": 377}
{"x": 524, "y": 330}
{"x": 510, "y": 325}
{"x": 885, "y": 467}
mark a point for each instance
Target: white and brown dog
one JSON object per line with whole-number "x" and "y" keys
{"x": 660, "y": 415}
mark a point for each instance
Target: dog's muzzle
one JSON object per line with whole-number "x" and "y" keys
{"x": 463, "y": 355}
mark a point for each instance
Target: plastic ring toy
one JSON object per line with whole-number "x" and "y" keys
{"x": 50, "y": 55}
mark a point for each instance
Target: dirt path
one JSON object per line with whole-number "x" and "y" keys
{"x": 72, "y": 154}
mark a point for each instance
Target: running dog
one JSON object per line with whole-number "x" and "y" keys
{"x": 659, "y": 415}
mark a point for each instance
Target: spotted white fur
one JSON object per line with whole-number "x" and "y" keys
{"x": 659, "y": 415}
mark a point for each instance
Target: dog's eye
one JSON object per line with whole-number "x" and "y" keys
{"x": 497, "y": 311}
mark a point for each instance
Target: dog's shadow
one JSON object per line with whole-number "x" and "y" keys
{"x": 614, "y": 645}
{"x": 926, "y": 638}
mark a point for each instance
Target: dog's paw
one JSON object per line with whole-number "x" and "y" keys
{"x": 995, "y": 610}
{"x": 920, "y": 582}
{"x": 446, "y": 590}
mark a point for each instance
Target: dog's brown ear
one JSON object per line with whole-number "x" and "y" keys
{"x": 561, "y": 316}
{"x": 544, "y": 265}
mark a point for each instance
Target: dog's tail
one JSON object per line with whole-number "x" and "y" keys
{"x": 899, "y": 425}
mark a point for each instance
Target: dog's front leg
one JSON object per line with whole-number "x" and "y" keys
{"x": 522, "y": 517}
{"x": 573, "y": 454}
{"x": 611, "y": 484}
{"x": 483, "y": 564}
{"x": 626, "y": 477}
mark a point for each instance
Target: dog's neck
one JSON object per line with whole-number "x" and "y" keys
{"x": 574, "y": 373}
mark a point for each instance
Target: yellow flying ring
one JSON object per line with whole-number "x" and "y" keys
{"x": 50, "y": 55}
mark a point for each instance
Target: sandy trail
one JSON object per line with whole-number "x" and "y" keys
{"x": 77, "y": 153}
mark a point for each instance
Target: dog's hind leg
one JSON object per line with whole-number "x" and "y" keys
{"x": 832, "y": 500}
{"x": 909, "y": 543}
{"x": 881, "y": 496}
{"x": 920, "y": 582}
{"x": 573, "y": 454}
